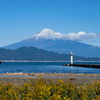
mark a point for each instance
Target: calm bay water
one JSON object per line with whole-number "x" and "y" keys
{"x": 46, "y": 67}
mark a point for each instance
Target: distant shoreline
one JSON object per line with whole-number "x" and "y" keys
{"x": 42, "y": 61}
{"x": 50, "y": 74}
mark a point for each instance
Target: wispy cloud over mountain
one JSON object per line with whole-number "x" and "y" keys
{"x": 81, "y": 36}
{"x": 20, "y": 38}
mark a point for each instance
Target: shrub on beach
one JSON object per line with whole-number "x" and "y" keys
{"x": 41, "y": 89}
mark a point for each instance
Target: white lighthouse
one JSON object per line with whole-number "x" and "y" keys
{"x": 71, "y": 58}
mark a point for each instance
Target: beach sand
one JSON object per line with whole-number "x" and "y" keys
{"x": 20, "y": 78}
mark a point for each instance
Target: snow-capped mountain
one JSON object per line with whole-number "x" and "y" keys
{"x": 54, "y": 41}
{"x": 48, "y": 34}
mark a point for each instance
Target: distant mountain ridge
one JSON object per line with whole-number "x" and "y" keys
{"x": 35, "y": 54}
{"x": 54, "y": 41}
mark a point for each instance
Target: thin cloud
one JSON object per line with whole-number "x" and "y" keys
{"x": 20, "y": 38}
{"x": 81, "y": 36}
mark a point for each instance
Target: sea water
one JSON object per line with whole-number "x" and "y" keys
{"x": 46, "y": 67}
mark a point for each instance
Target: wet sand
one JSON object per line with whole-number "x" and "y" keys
{"x": 20, "y": 78}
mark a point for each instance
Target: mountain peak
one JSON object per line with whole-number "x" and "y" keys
{"x": 48, "y": 34}
{"x": 45, "y": 32}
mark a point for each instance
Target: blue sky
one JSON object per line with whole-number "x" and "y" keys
{"x": 21, "y": 19}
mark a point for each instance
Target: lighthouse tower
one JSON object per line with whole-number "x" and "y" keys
{"x": 71, "y": 58}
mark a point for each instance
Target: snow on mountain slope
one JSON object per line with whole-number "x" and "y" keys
{"x": 48, "y": 34}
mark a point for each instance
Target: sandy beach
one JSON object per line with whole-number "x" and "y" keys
{"x": 20, "y": 78}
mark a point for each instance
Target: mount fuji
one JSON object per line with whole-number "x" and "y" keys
{"x": 54, "y": 41}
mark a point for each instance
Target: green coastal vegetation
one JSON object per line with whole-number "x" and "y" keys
{"x": 41, "y": 89}
{"x": 35, "y": 54}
